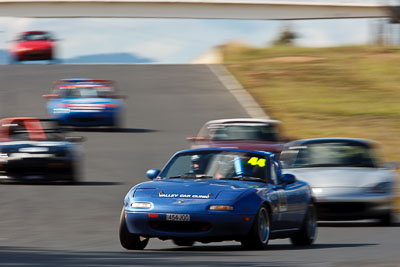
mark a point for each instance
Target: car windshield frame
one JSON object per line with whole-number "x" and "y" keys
{"x": 216, "y": 164}
{"x": 43, "y": 36}
{"x": 261, "y": 132}
{"x": 329, "y": 154}
{"x": 47, "y": 130}
{"x": 85, "y": 91}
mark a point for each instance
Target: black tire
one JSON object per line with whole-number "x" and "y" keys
{"x": 12, "y": 60}
{"x": 118, "y": 123}
{"x": 54, "y": 61}
{"x": 183, "y": 242}
{"x": 258, "y": 236}
{"x": 386, "y": 220}
{"x": 116, "y": 127}
{"x": 73, "y": 179}
{"x": 308, "y": 231}
{"x": 130, "y": 241}
{"x": 75, "y": 171}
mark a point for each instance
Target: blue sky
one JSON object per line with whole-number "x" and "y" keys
{"x": 179, "y": 40}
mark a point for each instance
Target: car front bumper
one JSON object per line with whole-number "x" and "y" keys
{"x": 36, "y": 169}
{"x": 201, "y": 227}
{"x": 39, "y": 54}
{"x": 105, "y": 118}
{"x": 353, "y": 207}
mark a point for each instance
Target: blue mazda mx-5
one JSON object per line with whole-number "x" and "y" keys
{"x": 85, "y": 102}
{"x": 209, "y": 195}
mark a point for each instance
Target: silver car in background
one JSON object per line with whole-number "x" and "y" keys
{"x": 348, "y": 178}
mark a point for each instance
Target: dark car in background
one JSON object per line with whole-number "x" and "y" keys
{"x": 240, "y": 133}
{"x": 33, "y": 150}
{"x": 348, "y": 177}
{"x": 33, "y": 45}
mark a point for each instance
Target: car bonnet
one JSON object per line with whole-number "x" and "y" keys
{"x": 193, "y": 188}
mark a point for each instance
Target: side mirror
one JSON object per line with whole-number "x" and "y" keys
{"x": 152, "y": 173}
{"x": 74, "y": 139}
{"x": 50, "y": 96}
{"x": 288, "y": 178}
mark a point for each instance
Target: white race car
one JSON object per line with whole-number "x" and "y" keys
{"x": 347, "y": 176}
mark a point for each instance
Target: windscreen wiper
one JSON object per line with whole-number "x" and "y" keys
{"x": 245, "y": 178}
{"x": 191, "y": 176}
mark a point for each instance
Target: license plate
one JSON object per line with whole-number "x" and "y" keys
{"x": 178, "y": 217}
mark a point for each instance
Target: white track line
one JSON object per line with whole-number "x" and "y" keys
{"x": 236, "y": 89}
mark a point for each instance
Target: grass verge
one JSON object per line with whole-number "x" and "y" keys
{"x": 351, "y": 91}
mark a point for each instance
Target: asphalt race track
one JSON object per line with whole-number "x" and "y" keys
{"x": 77, "y": 225}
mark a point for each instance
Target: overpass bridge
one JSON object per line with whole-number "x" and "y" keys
{"x": 200, "y": 9}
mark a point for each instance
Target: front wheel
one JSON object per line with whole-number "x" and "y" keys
{"x": 13, "y": 60}
{"x": 130, "y": 241}
{"x": 118, "y": 123}
{"x": 386, "y": 220}
{"x": 258, "y": 236}
{"x": 54, "y": 61}
{"x": 308, "y": 231}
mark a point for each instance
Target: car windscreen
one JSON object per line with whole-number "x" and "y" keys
{"x": 335, "y": 154}
{"x": 254, "y": 132}
{"x": 217, "y": 165}
{"x": 35, "y": 130}
{"x": 86, "y": 92}
{"x": 37, "y": 36}
{"x": 52, "y": 131}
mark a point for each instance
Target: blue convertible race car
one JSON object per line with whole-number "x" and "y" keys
{"x": 85, "y": 102}
{"x": 209, "y": 195}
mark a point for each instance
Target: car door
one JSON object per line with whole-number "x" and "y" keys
{"x": 278, "y": 199}
{"x": 296, "y": 200}
{"x": 295, "y": 203}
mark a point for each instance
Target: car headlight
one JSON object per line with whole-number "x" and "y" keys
{"x": 221, "y": 207}
{"x": 3, "y": 158}
{"x": 141, "y": 205}
{"x": 381, "y": 188}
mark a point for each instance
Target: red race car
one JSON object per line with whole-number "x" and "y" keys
{"x": 33, "y": 45}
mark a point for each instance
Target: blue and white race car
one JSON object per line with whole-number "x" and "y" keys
{"x": 209, "y": 195}
{"x": 85, "y": 102}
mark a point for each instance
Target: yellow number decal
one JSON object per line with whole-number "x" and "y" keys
{"x": 256, "y": 161}
{"x": 261, "y": 162}
{"x": 253, "y": 161}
